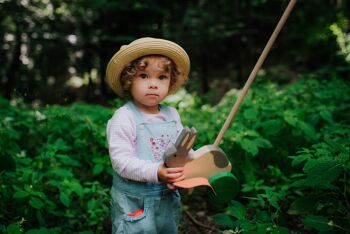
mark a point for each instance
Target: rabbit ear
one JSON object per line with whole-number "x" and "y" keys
{"x": 192, "y": 139}
{"x": 185, "y": 140}
{"x": 183, "y": 137}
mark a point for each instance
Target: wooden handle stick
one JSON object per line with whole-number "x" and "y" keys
{"x": 255, "y": 71}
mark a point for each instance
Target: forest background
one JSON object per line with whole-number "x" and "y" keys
{"x": 289, "y": 146}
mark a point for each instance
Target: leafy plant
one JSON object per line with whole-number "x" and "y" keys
{"x": 280, "y": 192}
{"x": 58, "y": 173}
{"x": 289, "y": 147}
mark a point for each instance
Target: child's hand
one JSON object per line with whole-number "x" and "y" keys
{"x": 170, "y": 175}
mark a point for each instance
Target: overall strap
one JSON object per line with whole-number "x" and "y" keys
{"x": 165, "y": 110}
{"x": 136, "y": 112}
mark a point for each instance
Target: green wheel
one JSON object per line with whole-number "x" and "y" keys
{"x": 225, "y": 185}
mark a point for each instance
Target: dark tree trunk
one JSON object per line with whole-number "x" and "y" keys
{"x": 102, "y": 73}
{"x": 11, "y": 73}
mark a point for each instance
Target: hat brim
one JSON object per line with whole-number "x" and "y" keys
{"x": 143, "y": 47}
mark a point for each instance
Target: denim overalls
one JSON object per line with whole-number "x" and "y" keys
{"x": 141, "y": 207}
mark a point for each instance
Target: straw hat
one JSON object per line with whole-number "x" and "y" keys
{"x": 147, "y": 46}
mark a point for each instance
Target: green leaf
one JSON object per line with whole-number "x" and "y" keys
{"x": 247, "y": 225}
{"x": 38, "y": 194}
{"x": 318, "y": 222}
{"x": 273, "y": 199}
{"x": 336, "y": 146}
{"x": 249, "y": 146}
{"x": 21, "y": 194}
{"x": 326, "y": 115}
{"x": 36, "y": 202}
{"x": 272, "y": 127}
{"x": 263, "y": 143}
{"x": 290, "y": 117}
{"x": 263, "y": 216}
{"x": 251, "y": 133}
{"x": 65, "y": 199}
{"x": 299, "y": 159}
{"x": 311, "y": 163}
{"x": 97, "y": 169}
{"x": 224, "y": 220}
{"x": 55, "y": 183}
{"x": 236, "y": 210}
{"x": 61, "y": 145}
{"x": 263, "y": 228}
{"x": 93, "y": 204}
{"x": 76, "y": 187}
{"x": 300, "y": 183}
{"x": 68, "y": 160}
{"x": 323, "y": 173}
{"x": 64, "y": 173}
{"x": 14, "y": 228}
{"x": 308, "y": 130}
{"x": 250, "y": 114}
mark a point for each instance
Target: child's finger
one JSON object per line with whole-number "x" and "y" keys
{"x": 176, "y": 177}
{"x": 182, "y": 177}
{"x": 172, "y": 170}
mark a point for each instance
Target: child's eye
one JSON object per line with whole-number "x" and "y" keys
{"x": 163, "y": 77}
{"x": 143, "y": 75}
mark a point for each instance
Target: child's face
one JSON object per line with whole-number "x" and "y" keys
{"x": 150, "y": 85}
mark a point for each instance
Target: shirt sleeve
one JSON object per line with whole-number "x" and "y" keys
{"x": 121, "y": 137}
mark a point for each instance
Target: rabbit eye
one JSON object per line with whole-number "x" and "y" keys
{"x": 175, "y": 155}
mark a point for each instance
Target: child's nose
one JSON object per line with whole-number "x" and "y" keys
{"x": 153, "y": 83}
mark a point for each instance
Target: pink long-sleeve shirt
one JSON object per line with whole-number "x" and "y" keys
{"x": 121, "y": 137}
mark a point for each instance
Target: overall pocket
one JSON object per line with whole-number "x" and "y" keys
{"x": 134, "y": 214}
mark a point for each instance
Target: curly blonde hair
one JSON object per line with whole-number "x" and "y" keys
{"x": 129, "y": 71}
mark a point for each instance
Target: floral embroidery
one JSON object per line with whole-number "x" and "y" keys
{"x": 158, "y": 145}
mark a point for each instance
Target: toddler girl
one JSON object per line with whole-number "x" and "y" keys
{"x": 143, "y": 197}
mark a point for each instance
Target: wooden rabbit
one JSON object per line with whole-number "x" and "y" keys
{"x": 178, "y": 155}
{"x": 207, "y": 166}
{"x": 202, "y": 163}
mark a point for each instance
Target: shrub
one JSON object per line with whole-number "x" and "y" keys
{"x": 289, "y": 147}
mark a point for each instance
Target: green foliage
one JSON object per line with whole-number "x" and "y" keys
{"x": 59, "y": 174}
{"x": 289, "y": 147}
{"x": 290, "y": 150}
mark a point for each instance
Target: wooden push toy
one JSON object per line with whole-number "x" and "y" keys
{"x": 209, "y": 164}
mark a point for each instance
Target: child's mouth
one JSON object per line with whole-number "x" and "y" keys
{"x": 152, "y": 95}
